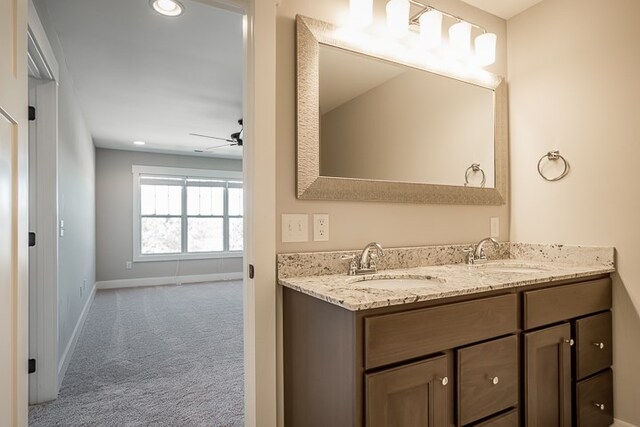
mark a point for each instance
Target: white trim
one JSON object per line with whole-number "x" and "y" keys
{"x": 187, "y": 256}
{"x": 39, "y": 49}
{"x": 620, "y": 423}
{"x": 191, "y": 172}
{"x": 169, "y": 280}
{"x": 71, "y": 346}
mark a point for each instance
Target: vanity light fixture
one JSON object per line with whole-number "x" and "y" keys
{"x": 167, "y": 7}
{"x": 429, "y": 20}
{"x": 460, "y": 39}
{"x": 361, "y": 12}
{"x": 431, "y": 28}
{"x": 398, "y": 17}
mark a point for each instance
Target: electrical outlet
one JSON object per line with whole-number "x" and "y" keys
{"x": 128, "y": 265}
{"x": 321, "y": 227}
{"x": 495, "y": 227}
{"x": 295, "y": 227}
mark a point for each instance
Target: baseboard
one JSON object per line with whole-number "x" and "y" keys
{"x": 619, "y": 423}
{"x": 71, "y": 346}
{"x": 169, "y": 280}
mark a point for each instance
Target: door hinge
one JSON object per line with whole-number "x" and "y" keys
{"x": 251, "y": 271}
{"x": 32, "y": 239}
{"x": 32, "y": 113}
{"x": 32, "y": 366}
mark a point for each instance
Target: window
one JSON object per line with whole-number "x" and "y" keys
{"x": 184, "y": 213}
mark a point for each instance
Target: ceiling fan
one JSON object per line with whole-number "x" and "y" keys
{"x": 235, "y": 139}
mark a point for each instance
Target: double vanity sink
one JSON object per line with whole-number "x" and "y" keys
{"x": 430, "y": 339}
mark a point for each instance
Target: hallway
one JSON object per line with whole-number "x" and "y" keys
{"x": 155, "y": 356}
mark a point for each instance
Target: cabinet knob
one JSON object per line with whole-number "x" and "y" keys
{"x": 599, "y": 405}
{"x": 494, "y": 380}
{"x": 570, "y": 341}
{"x": 599, "y": 345}
{"x": 444, "y": 380}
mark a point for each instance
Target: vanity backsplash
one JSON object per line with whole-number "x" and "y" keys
{"x": 327, "y": 263}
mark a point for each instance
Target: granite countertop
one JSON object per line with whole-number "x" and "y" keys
{"x": 448, "y": 280}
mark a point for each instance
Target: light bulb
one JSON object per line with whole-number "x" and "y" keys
{"x": 431, "y": 29}
{"x": 398, "y": 17}
{"x": 460, "y": 39}
{"x": 361, "y": 12}
{"x": 485, "y": 46}
{"x": 167, "y": 7}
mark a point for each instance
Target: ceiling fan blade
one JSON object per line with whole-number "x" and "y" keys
{"x": 212, "y": 137}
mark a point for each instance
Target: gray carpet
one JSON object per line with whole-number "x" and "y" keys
{"x": 156, "y": 356}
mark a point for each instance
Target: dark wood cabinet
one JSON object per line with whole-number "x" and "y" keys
{"x": 413, "y": 395}
{"x": 523, "y": 356}
{"x": 547, "y": 377}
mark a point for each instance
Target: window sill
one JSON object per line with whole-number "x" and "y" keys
{"x": 187, "y": 257}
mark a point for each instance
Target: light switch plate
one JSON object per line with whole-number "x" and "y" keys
{"x": 495, "y": 227}
{"x": 320, "y": 227}
{"x": 295, "y": 228}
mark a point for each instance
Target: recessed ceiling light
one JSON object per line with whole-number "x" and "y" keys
{"x": 167, "y": 7}
{"x": 139, "y": 142}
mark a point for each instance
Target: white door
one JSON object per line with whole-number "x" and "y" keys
{"x": 13, "y": 214}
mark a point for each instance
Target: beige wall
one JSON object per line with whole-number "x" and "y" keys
{"x": 114, "y": 218}
{"x": 573, "y": 74}
{"x": 353, "y": 224}
{"x": 415, "y": 127}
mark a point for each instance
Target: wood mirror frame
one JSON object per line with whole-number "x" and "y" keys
{"x": 310, "y": 33}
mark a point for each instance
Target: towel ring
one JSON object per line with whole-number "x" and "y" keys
{"x": 554, "y": 156}
{"x": 475, "y": 167}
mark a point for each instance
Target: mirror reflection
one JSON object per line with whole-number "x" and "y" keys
{"x": 385, "y": 121}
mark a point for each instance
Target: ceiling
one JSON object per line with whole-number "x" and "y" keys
{"x": 505, "y": 9}
{"x": 141, "y": 76}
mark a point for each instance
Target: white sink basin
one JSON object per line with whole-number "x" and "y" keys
{"x": 398, "y": 283}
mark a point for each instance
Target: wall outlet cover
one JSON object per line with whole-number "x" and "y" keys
{"x": 495, "y": 227}
{"x": 295, "y": 228}
{"x": 321, "y": 227}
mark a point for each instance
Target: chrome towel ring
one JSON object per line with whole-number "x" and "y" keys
{"x": 475, "y": 167}
{"x": 554, "y": 155}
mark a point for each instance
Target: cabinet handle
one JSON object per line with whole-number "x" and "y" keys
{"x": 599, "y": 345}
{"x": 570, "y": 341}
{"x": 444, "y": 380}
{"x": 599, "y": 405}
{"x": 494, "y": 380}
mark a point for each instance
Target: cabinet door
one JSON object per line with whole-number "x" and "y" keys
{"x": 414, "y": 395}
{"x": 548, "y": 377}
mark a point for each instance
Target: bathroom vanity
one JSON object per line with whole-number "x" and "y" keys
{"x": 508, "y": 343}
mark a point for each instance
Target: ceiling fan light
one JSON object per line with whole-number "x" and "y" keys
{"x": 167, "y": 7}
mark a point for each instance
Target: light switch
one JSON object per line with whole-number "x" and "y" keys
{"x": 295, "y": 228}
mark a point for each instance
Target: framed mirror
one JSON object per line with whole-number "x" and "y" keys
{"x": 375, "y": 127}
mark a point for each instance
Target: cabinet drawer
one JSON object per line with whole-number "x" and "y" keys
{"x": 594, "y": 401}
{"x": 487, "y": 379}
{"x": 395, "y": 337}
{"x": 551, "y": 305}
{"x": 594, "y": 344}
{"x": 509, "y": 419}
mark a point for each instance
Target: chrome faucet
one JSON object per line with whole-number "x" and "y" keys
{"x": 367, "y": 262}
{"x": 476, "y": 254}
